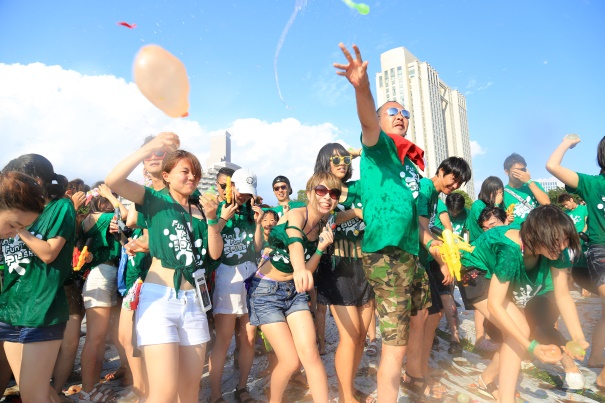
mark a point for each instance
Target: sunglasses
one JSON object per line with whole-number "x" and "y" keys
{"x": 158, "y": 154}
{"x": 337, "y": 159}
{"x": 278, "y": 188}
{"x": 222, "y": 185}
{"x": 396, "y": 111}
{"x": 321, "y": 191}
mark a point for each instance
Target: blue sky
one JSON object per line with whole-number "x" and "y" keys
{"x": 531, "y": 71}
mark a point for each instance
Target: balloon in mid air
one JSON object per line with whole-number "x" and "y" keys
{"x": 362, "y": 8}
{"x": 162, "y": 78}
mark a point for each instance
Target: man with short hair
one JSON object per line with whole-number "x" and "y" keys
{"x": 521, "y": 190}
{"x": 282, "y": 191}
{"x": 577, "y": 212}
{"x": 221, "y": 182}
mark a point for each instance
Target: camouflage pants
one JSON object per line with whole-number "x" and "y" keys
{"x": 402, "y": 288}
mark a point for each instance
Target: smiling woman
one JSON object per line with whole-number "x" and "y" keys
{"x": 21, "y": 201}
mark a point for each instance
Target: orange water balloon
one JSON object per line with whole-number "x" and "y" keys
{"x": 162, "y": 78}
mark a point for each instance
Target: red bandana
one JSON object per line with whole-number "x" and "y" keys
{"x": 409, "y": 149}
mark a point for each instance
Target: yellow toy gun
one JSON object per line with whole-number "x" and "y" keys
{"x": 450, "y": 250}
{"x": 228, "y": 191}
{"x": 510, "y": 209}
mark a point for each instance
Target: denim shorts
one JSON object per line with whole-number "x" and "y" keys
{"x": 24, "y": 335}
{"x": 595, "y": 257}
{"x": 272, "y": 301}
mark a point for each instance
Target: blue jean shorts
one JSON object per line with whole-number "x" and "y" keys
{"x": 24, "y": 335}
{"x": 272, "y": 301}
{"x": 595, "y": 257}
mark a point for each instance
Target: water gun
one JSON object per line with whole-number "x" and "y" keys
{"x": 228, "y": 191}
{"x": 83, "y": 255}
{"x": 450, "y": 250}
{"x": 510, "y": 209}
{"x": 332, "y": 220}
{"x": 137, "y": 291}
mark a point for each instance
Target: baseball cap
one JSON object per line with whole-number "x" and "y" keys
{"x": 244, "y": 181}
{"x": 281, "y": 178}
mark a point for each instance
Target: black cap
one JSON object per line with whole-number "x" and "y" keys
{"x": 281, "y": 178}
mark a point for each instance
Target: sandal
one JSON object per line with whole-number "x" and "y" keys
{"x": 372, "y": 349}
{"x": 98, "y": 394}
{"x": 487, "y": 389}
{"x": 238, "y": 396}
{"x": 421, "y": 386}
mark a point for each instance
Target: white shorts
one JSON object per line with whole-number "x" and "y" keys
{"x": 163, "y": 318}
{"x": 101, "y": 287}
{"x": 229, "y": 289}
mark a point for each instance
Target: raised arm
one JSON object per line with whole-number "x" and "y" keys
{"x": 553, "y": 165}
{"x": 118, "y": 177}
{"x": 356, "y": 72}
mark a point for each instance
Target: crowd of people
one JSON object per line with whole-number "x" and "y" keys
{"x": 174, "y": 274}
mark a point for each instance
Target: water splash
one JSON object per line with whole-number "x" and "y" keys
{"x": 300, "y": 4}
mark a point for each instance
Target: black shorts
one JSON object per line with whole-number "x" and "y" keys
{"x": 437, "y": 305}
{"x": 344, "y": 284}
{"x": 595, "y": 257}
{"x": 442, "y": 288}
{"x": 474, "y": 287}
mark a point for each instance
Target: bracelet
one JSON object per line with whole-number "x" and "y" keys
{"x": 529, "y": 182}
{"x": 212, "y": 221}
{"x": 221, "y": 218}
{"x": 428, "y": 245}
{"x": 319, "y": 252}
{"x": 532, "y": 346}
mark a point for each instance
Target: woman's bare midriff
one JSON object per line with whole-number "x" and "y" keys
{"x": 163, "y": 276}
{"x": 268, "y": 270}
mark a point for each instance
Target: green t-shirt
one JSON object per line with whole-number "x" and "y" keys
{"x": 426, "y": 205}
{"x": 521, "y": 210}
{"x": 458, "y": 222}
{"x": 544, "y": 265}
{"x": 104, "y": 246}
{"x": 169, "y": 240}
{"x": 33, "y": 294}
{"x": 292, "y": 204}
{"x": 591, "y": 188}
{"x": 388, "y": 189}
{"x": 578, "y": 215}
{"x": 474, "y": 230}
{"x": 238, "y": 237}
{"x": 353, "y": 229}
{"x": 137, "y": 265}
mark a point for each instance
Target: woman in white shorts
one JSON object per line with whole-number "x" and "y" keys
{"x": 242, "y": 238}
{"x": 100, "y": 289}
{"x": 172, "y": 328}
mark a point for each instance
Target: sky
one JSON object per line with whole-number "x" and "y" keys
{"x": 530, "y": 71}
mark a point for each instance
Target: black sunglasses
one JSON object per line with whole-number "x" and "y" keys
{"x": 278, "y": 188}
{"x": 336, "y": 160}
{"x": 321, "y": 191}
{"x": 222, "y": 185}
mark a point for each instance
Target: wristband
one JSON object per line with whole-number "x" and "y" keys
{"x": 221, "y": 218}
{"x": 212, "y": 221}
{"x": 532, "y": 346}
{"x": 319, "y": 252}
{"x": 529, "y": 182}
{"x": 428, "y": 245}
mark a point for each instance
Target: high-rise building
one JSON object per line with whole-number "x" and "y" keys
{"x": 438, "y": 122}
{"x": 220, "y": 156}
{"x": 550, "y": 184}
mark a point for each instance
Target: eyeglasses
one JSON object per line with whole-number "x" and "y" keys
{"x": 278, "y": 188}
{"x": 336, "y": 160}
{"x": 321, "y": 191}
{"x": 158, "y": 154}
{"x": 396, "y": 111}
{"x": 222, "y": 185}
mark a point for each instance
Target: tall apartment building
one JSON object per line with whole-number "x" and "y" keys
{"x": 438, "y": 121}
{"x": 220, "y": 156}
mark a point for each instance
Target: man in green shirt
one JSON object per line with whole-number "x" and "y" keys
{"x": 282, "y": 191}
{"x": 389, "y": 185}
{"x": 577, "y": 212}
{"x": 521, "y": 190}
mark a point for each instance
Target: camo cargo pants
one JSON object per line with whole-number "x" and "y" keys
{"x": 402, "y": 288}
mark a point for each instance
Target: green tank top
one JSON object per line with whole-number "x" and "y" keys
{"x": 279, "y": 240}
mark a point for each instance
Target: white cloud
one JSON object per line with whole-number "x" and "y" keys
{"x": 476, "y": 149}
{"x": 85, "y": 124}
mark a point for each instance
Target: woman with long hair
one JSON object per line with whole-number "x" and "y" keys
{"x": 341, "y": 280}
{"x": 491, "y": 194}
{"x": 33, "y": 305}
{"x": 277, "y": 296}
{"x": 100, "y": 290}
{"x": 507, "y": 269}
{"x": 172, "y": 328}
{"x": 591, "y": 188}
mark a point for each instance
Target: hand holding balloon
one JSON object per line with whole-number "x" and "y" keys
{"x": 162, "y": 78}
